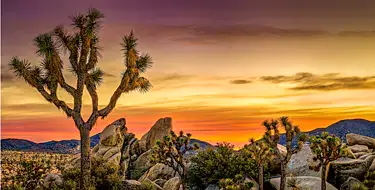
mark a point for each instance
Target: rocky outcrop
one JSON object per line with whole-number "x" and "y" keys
{"x": 305, "y": 182}
{"x": 359, "y": 148}
{"x": 141, "y": 165}
{"x": 139, "y": 151}
{"x": 160, "y": 129}
{"x": 299, "y": 163}
{"x": 341, "y": 170}
{"x": 372, "y": 166}
{"x": 355, "y": 139}
{"x": 110, "y": 143}
{"x": 172, "y": 184}
{"x": 158, "y": 171}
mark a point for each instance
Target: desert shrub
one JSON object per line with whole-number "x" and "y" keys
{"x": 30, "y": 175}
{"x": 104, "y": 175}
{"x": 369, "y": 179}
{"x": 237, "y": 183}
{"x": 222, "y": 162}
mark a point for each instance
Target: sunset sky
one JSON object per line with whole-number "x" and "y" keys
{"x": 220, "y": 67}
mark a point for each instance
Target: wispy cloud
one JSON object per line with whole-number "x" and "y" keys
{"x": 240, "y": 81}
{"x": 324, "y": 82}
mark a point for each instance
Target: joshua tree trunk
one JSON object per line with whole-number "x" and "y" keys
{"x": 283, "y": 176}
{"x": 323, "y": 177}
{"x": 260, "y": 177}
{"x": 85, "y": 158}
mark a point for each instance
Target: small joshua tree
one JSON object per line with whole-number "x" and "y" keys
{"x": 171, "y": 150}
{"x": 272, "y": 137}
{"x": 326, "y": 148}
{"x": 82, "y": 45}
{"x": 260, "y": 152}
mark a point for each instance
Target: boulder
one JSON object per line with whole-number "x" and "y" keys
{"x": 372, "y": 166}
{"x": 52, "y": 180}
{"x": 110, "y": 143}
{"x": 340, "y": 170}
{"x": 212, "y": 187}
{"x": 109, "y": 147}
{"x": 158, "y": 171}
{"x": 305, "y": 182}
{"x": 141, "y": 165}
{"x": 132, "y": 185}
{"x": 299, "y": 163}
{"x": 359, "y": 148}
{"x": 350, "y": 184}
{"x": 355, "y": 139}
{"x": 160, "y": 129}
{"x": 160, "y": 182}
{"x": 151, "y": 185}
{"x": 360, "y": 154}
{"x": 172, "y": 184}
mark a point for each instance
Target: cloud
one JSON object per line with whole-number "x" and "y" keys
{"x": 240, "y": 81}
{"x": 324, "y": 82}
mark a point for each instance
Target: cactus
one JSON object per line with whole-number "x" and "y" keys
{"x": 272, "y": 137}
{"x": 326, "y": 148}
{"x": 171, "y": 150}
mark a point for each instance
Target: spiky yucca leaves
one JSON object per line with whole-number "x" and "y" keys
{"x": 272, "y": 137}
{"x": 261, "y": 153}
{"x": 82, "y": 45}
{"x": 171, "y": 150}
{"x": 326, "y": 148}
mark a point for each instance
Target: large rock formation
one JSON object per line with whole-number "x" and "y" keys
{"x": 275, "y": 164}
{"x": 340, "y": 170}
{"x": 139, "y": 152}
{"x": 299, "y": 163}
{"x": 355, "y": 139}
{"x": 109, "y": 148}
{"x": 305, "y": 182}
{"x": 160, "y": 129}
{"x": 110, "y": 143}
{"x": 158, "y": 171}
{"x": 172, "y": 184}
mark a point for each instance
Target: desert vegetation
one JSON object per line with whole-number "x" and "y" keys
{"x": 162, "y": 159}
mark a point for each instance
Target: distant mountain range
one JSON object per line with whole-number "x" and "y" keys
{"x": 343, "y": 127}
{"x": 64, "y": 146}
{"x": 340, "y": 129}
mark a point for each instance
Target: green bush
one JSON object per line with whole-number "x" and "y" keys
{"x": 370, "y": 179}
{"x": 30, "y": 175}
{"x": 223, "y": 162}
{"x": 238, "y": 183}
{"x": 103, "y": 176}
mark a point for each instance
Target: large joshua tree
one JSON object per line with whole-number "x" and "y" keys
{"x": 272, "y": 137}
{"x": 82, "y": 45}
{"x": 326, "y": 148}
{"x": 260, "y": 152}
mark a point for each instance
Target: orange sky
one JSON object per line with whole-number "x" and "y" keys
{"x": 217, "y": 81}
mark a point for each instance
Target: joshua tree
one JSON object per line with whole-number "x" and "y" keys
{"x": 261, "y": 153}
{"x": 171, "y": 150}
{"x": 326, "y": 148}
{"x": 272, "y": 137}
{"x": 82, "y": 46}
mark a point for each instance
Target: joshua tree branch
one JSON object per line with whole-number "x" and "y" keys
{"x": 123, "y": 87}
{"x": 53, "y": 99}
